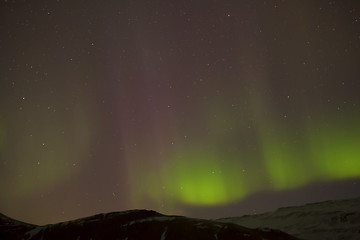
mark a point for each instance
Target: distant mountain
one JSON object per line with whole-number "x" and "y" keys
{"x": 136, "y": 225}
{"x": 330, "y": 220}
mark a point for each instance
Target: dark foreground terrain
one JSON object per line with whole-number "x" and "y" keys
{"x": 330, "y": 220}
{"x": 135, "y": 224}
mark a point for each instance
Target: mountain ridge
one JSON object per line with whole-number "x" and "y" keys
{"x": 328, "y": 220}
{"x": 136, "y": 224}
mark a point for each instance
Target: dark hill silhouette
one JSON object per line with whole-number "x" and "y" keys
{"x": 135, "y": 224}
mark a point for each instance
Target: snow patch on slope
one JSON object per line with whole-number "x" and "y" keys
{"x": 163, "y": 235}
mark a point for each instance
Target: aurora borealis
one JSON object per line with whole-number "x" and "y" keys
{"x": 182, "y": 107}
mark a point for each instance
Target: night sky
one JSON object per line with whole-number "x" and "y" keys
{"x": 200, "y": 108}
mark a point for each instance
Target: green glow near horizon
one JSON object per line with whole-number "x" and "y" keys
{"x": 286, "y": 166}
{"x": 337, "y": 150}
{"x": 200, "y": 178}
{"x": 203, "y": 176}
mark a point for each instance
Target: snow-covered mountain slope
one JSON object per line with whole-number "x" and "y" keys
{"x": 330, "y": 220}
{"x": 142, "y": 224}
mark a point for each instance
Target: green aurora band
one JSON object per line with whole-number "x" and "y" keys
{"x": 203, "y": 179}
{"x": 204, "y": 176}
